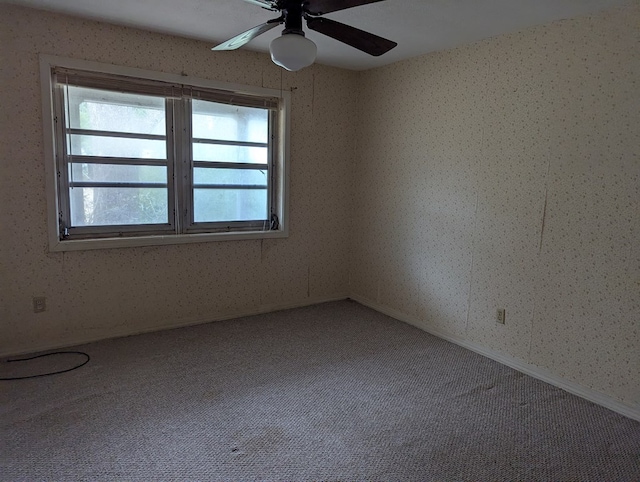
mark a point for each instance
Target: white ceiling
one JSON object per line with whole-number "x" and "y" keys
{"x": 419, "y": 26}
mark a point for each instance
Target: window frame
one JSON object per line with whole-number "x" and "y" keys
{"x": 181, "y": 227}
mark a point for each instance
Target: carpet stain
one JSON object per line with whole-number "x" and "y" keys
{"x": 262, "y": 440}
{"x": 211, "y": 395}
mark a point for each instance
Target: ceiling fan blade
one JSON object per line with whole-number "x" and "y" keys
{"x": 246, "y": 37}
{"x": 261, "y": 3}
{"x": 365, "y": 41}
{"x": 320, "y": 7}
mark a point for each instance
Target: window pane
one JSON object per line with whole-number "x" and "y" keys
{"x": 105, "y": 110}
{"x": 118, "y": 173}
{"x": 211, "y": 120}
{"x": 212, "y": 205}
{"x": 99, "y": 206}
{"x": 81, "y": 145}
{"x": 203, "y": 175}
{"x": 218, "y": 153}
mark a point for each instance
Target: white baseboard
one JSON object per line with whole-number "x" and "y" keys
{"x": 119, "y": 333}
{"x": 631, "y": 411}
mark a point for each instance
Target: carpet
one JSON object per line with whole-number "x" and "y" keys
{"x": 334, "y": 391}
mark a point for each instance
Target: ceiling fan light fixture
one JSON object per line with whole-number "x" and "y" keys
{"x": 293, "y": 51}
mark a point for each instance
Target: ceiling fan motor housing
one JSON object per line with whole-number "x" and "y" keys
{"x": 292, "y": 18}
{"x": 293, "y": 50}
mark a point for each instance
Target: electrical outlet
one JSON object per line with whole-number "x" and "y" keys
{"x": 39, "y": 304}
{"x": 500, "y": 315}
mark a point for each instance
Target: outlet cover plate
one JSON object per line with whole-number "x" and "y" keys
{"x": 39, "y": 304}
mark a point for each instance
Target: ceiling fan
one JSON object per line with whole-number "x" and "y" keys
{"x": 293, "y": 51}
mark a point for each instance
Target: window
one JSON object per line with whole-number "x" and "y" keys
{"x": 142, "y": 158}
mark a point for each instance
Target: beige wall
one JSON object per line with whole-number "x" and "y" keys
{"x": 506, "y": 174}
{"x": 96, "y": 294}
{"x": 503, "y": 173}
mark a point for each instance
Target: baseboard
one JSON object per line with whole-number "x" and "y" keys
{"x": 631, "y": 411}
{"x": 594, "y": 396}
{"x": 83, "y": 340}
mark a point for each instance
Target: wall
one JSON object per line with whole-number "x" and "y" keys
{"x": 97, "y": 294}
{"x": 503, "y": 173}
{"x": 506, "y": 174}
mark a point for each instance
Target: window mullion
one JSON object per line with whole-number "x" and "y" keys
{"x": 62, "y": 165}
{"x": 123, "y": 161}
{"x": 182, "y": 139}
{"x": 272, "y": 189}
{"x": 116, "y": 134}
{"x": 187, "y": 163}
{"x": 230, "y": 165}
{"x": 171, "y": 164}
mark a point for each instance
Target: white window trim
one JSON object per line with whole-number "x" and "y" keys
{"x": 47, "y": 62}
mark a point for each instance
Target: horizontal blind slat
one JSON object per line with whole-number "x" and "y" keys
{"x": 116, "y": 82}
{"x": 233, "y": 98}
{"x": 125, "y": 84}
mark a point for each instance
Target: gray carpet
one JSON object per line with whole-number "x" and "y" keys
{"x": 329, "y": 392}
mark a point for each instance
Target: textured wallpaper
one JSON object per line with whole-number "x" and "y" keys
{"x": 501, "y": 174}
{"x": 96, "y": 294}
{"x": 507, "y": 174}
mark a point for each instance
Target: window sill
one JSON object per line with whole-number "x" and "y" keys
{"x": 160, "y": 240}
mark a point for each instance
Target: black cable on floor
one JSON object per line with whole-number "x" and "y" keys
{"x": 50, "y": 373}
